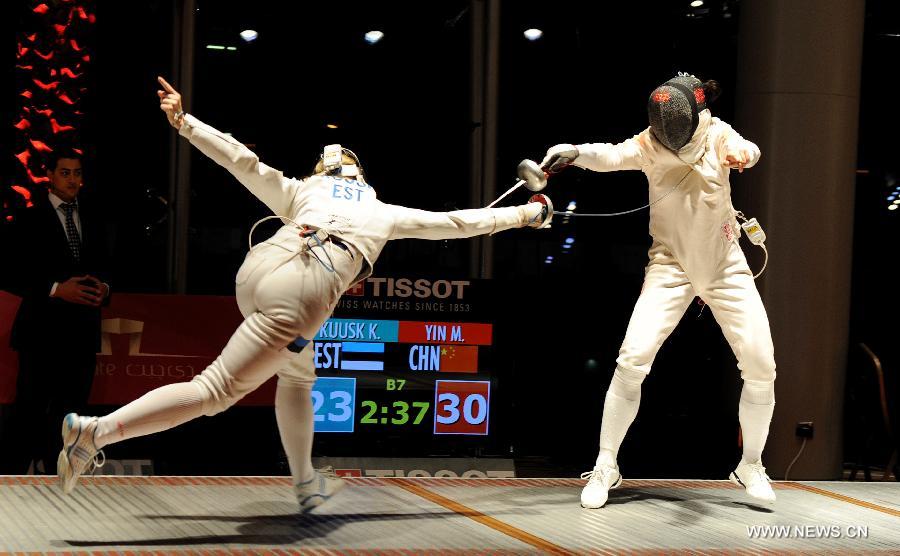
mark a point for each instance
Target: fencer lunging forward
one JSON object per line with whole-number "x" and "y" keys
{"x": 334, "y": 229}
{"x": 686, "y": 155}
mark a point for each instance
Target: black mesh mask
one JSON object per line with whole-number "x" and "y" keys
{"x": 674, "y": 110}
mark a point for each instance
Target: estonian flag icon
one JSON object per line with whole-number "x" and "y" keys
{"x": 362, "y": 356}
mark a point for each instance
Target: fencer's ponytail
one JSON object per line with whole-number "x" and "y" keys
{"x": 711, "y": 90}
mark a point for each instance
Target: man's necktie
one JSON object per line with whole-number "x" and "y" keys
{"x": 71, "y": 230}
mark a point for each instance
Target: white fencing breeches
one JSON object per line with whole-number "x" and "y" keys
{"x": 730, "y": 292}
{"x": 283, "y": 296}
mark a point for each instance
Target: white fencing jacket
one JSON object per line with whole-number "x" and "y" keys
{"x": 346, "y": 208}
{"x": 696, "y": 222}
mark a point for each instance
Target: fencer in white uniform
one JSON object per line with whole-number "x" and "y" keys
{"x": 334, "y": 229}
{"x": 687, "y": 156}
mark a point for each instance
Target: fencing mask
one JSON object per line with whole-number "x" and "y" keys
{"x": 674, "y": 110}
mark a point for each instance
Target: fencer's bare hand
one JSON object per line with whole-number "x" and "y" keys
{"x": 736, "y": 159}
{"x": 170, "y": 103}
{"x": 84, "y": 290}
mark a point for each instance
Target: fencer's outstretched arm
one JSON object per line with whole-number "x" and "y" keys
{"x": 600, "y": 157}
{"x": 423, "y": 224}
{"x": 266, "y": 183}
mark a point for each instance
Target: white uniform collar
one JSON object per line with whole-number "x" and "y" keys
{"x": 696, "y": 147}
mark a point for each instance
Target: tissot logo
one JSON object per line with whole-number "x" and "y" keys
{"x": 420, "y": 288}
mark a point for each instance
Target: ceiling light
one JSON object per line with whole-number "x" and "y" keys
{"x": 696, "y": 3}
{"x": 533, "y": 34}
{"x": 331, "y": 126}
{"x": 249, "y": 35}
{"x": 374, "y": 36}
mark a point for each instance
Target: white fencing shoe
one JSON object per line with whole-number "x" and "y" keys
{"x": 318, "y": 490}
{"x": 601, "y": 480}
{"x": 752, "y": 476}
{"x": 78, "y": 450}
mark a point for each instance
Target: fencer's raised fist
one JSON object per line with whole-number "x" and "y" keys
{"x": 559, "y": 156}
{"x": 736, "y": 159}
{"x": 170, "y": 103}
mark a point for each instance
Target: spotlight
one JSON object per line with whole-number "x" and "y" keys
{"x": 249, "y": 35}
{"x": 571, "y": 205}
{"x": 533, "y": 34}
{"x": 331, "y": 126}
{"x": 696, "y": 3}
{"x": 892, "y": 207}
{"x": 374, "y": 36}
{"x": 570, "y": 240}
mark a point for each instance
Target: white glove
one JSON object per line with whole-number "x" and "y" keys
{"x": 559, "y": 156}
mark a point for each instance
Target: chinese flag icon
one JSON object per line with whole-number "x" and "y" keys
{"x": 459, "y": 359}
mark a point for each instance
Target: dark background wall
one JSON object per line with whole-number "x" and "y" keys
{"x": 404, "y": 105}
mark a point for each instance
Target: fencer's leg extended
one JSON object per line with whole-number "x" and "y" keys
{"x": 737, "y": 307}
{"x": 666, "y": 295}
{"x": 253, "y": 355}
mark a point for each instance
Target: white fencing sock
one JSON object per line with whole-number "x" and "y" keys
{"x": 294, "y": 413}
{"x": 619, "y": 410}
{"x": 755, "y": 414}
{"x": 158, "y": 410}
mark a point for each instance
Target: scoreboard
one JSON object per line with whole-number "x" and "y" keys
{"x": 409, "y": 372}
{"x": 427, "y": 367}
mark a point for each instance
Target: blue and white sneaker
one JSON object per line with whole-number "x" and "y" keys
{"x": 78, "y": 450}
{"x": 318, "y": 490}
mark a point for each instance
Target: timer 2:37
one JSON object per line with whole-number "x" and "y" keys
{"x": 398, "y": 413}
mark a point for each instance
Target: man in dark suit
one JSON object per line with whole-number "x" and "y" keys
{"x": 57, "y": 259}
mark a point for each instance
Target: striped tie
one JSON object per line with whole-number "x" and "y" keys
{"x": 71, "y": 230}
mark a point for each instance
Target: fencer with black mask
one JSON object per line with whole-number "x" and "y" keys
{"x": 687, "y": 155}
{"x": 334, "y": 228}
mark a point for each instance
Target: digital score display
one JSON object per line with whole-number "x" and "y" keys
{"x": 403, "y": 374}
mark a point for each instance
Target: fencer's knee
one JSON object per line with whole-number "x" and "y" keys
{"x": 758, "y": 392}
{"x": 636, "y": 358}
{"x": 626, "y": 383}
{"x": 217, "y": 391}
{"x": 757, "y": 367}
{"x": 300, "y": 369}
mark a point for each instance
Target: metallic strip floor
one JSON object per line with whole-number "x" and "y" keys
{"x": 256, "y": 515}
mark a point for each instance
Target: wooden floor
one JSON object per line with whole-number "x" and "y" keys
{"x": 256, "y": 515}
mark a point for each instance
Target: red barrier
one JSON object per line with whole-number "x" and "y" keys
{"x": 148, "y": 341}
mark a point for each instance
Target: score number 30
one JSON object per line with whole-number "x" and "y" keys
{"x": 461, "y": 407}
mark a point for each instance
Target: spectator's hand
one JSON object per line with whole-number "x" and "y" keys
{"x": 559, "y": 156}
{"x": 170, "y": 103}
{"x": 736, "y": 159}
{"x": 84, "y": 290}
